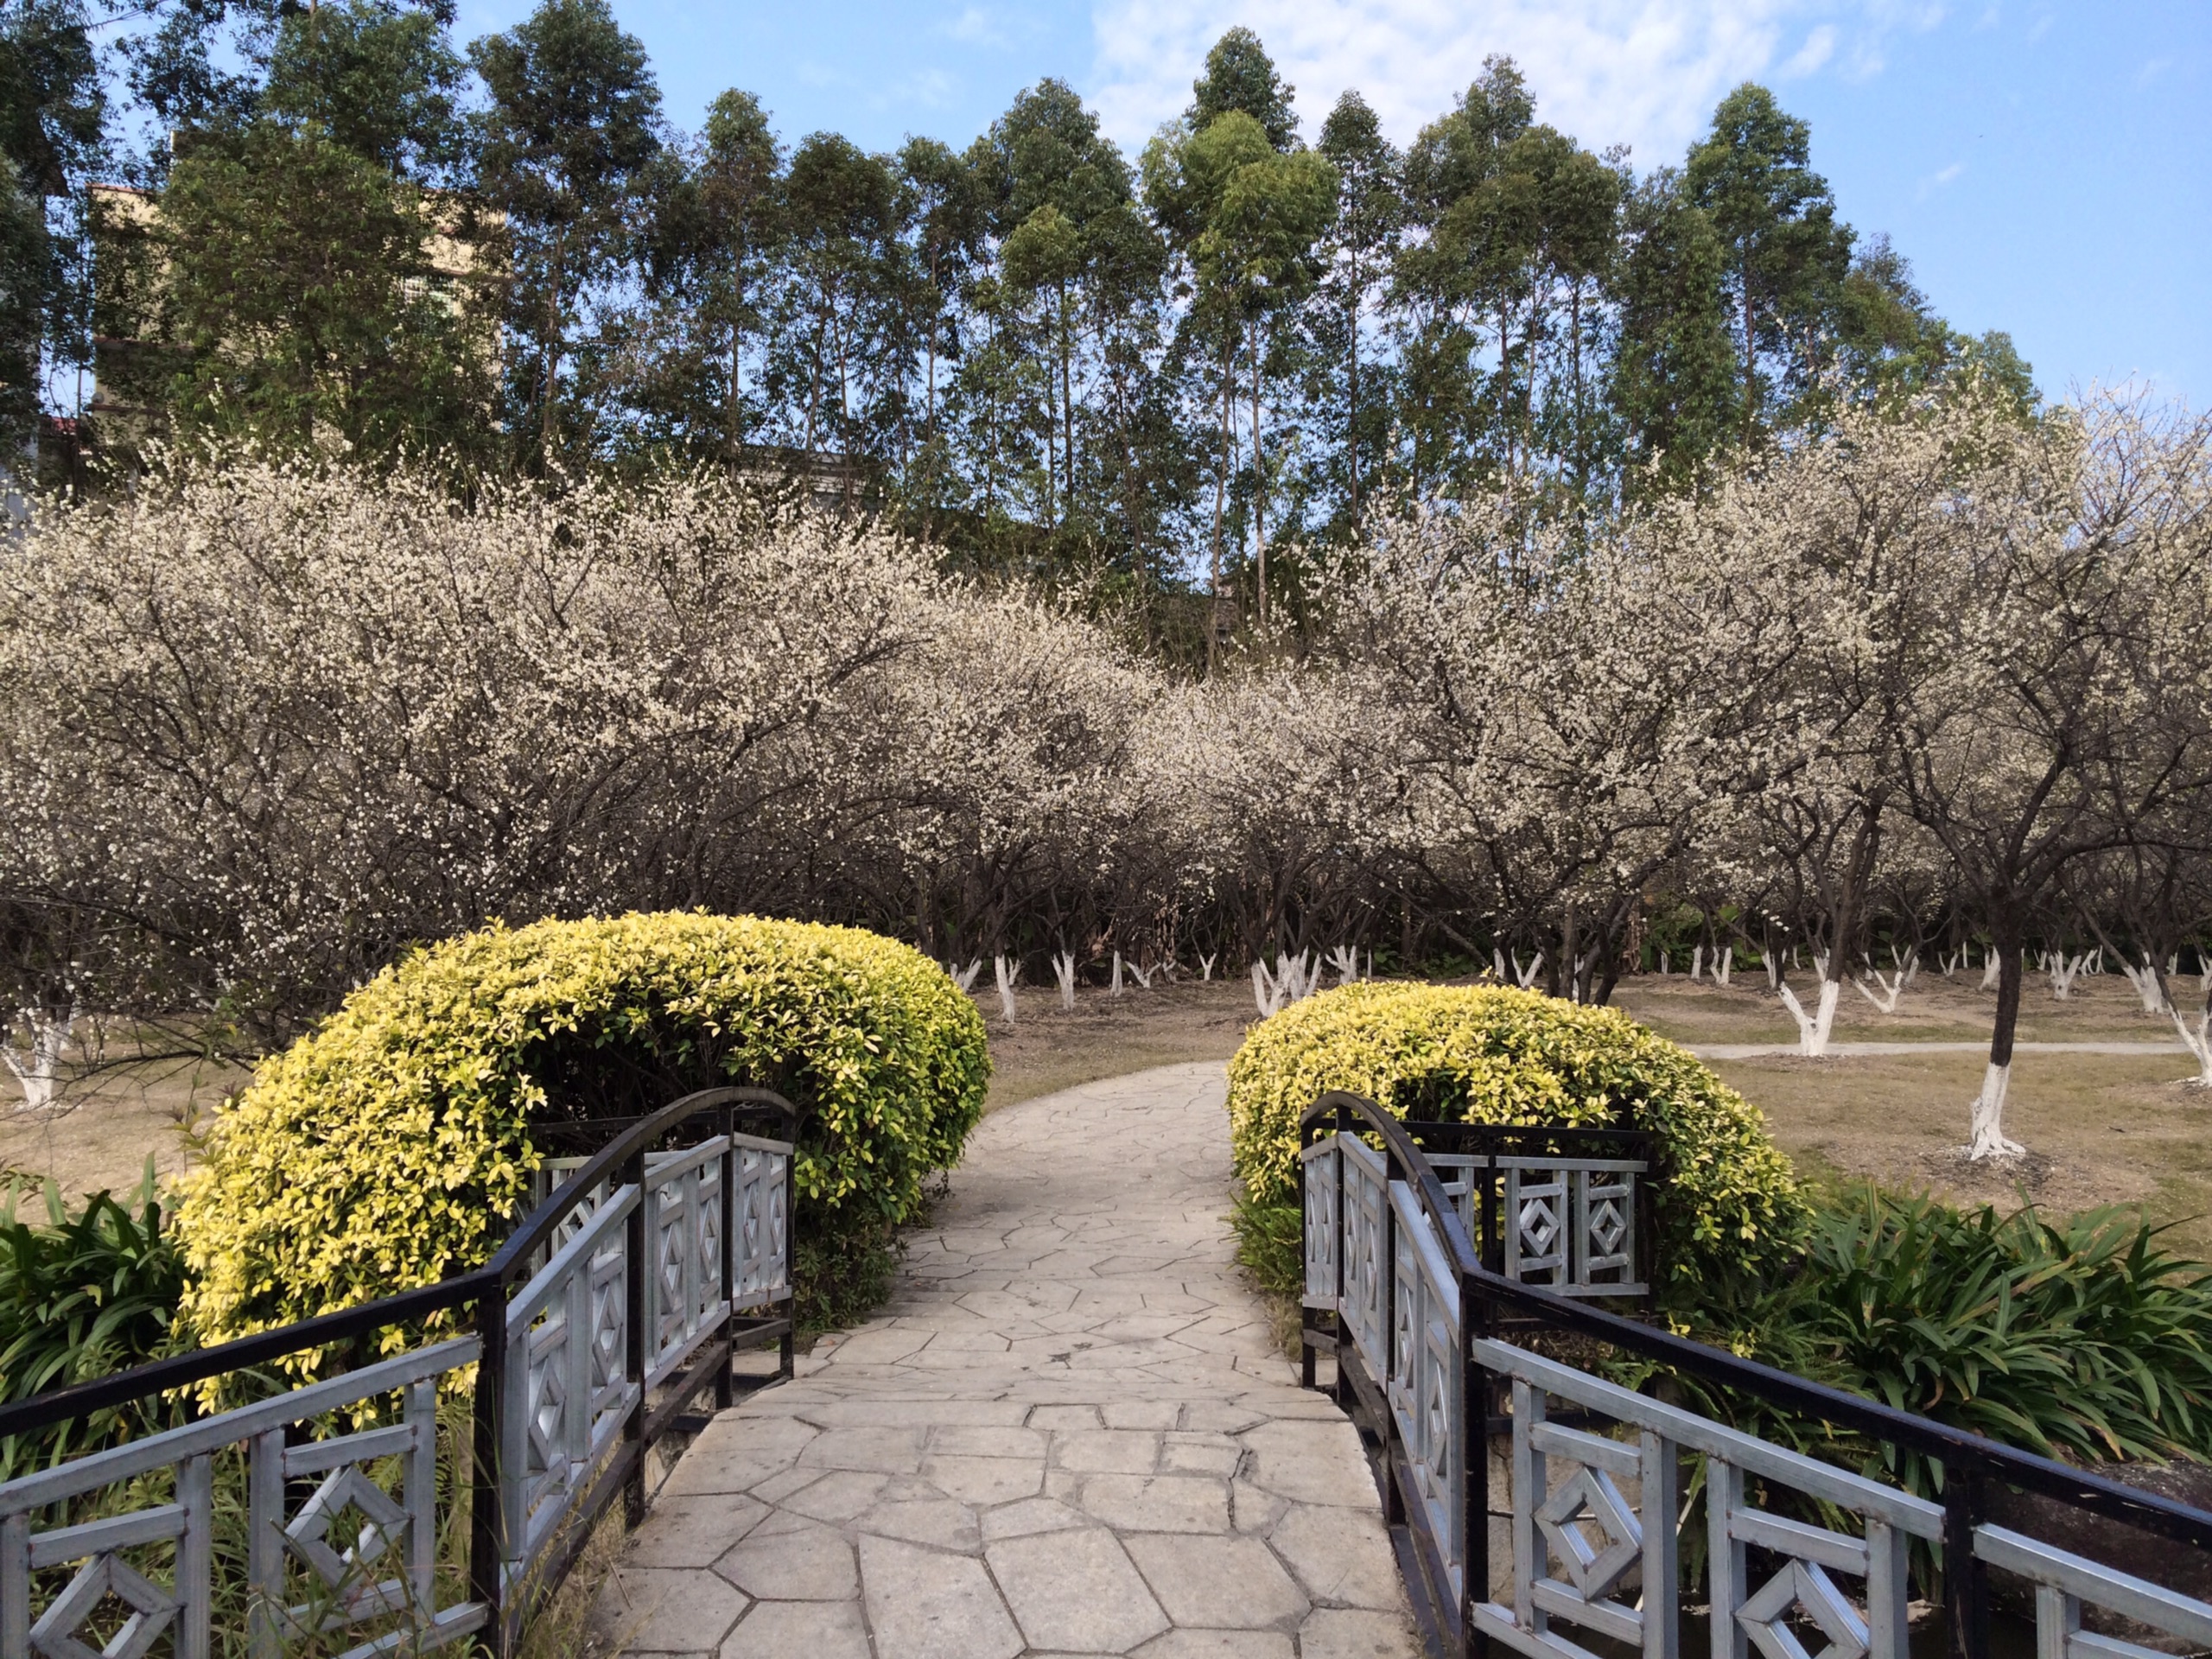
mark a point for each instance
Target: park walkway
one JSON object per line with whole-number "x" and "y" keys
{"x": 1068, "y": 1433}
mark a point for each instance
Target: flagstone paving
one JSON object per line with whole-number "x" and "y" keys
{"x": 1068, "y": 1433}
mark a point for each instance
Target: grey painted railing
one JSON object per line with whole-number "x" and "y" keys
{"x": 1590, "y": 1488}
{"x": 622, "y": 1297}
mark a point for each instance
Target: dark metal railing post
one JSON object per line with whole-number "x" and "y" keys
{"x": 1394, "y": 1497}
{"x": 1305, "y": 1325}
{"x": 725, "y": 1390}
{"x": 787, "y": 1349}
{"x": 487, "y": 1515}
{"x": 1966, "y": 1582}
{"x": 1342, "y": 1384}
{"x": 634, "y": 1339}
{"x": 1474, "y": 1482}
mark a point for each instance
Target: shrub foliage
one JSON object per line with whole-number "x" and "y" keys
{"x": 2082, "y": 1338}
{"x": 1494, "y": 1055}
{"x": 391, "y": 1146}
{"x": 84, "y": 1293}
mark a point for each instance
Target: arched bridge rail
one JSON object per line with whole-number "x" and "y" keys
{"x": 612, "y": 1306}
{"x": 1410, "y": 1291}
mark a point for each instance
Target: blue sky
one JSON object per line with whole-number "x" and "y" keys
{"x": 2046, "y": 167}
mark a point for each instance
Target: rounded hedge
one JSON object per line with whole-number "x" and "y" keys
{"x": 1488, "y": 1054}
{"x": 394, "y": 1144}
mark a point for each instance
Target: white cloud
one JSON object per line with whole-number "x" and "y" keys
{"x": 976, "y": 27}
{"x": 1818, "y": 48}
{"x": 1644, "y": 73}
{"x": 1937, "y": 181}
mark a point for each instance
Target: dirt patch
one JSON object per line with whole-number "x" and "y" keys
{"x": 1050, "y": 1048}
{"x": 103, "y": 1128}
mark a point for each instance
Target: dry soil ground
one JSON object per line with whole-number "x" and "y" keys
{"x": 2100, "y": 1128}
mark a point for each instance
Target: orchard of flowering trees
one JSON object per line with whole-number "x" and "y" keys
{"x": 1930, "y": 691}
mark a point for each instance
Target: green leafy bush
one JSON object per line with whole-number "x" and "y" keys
{"x": 89, "y": 1291}
{"x": 2081, "y": 1338}
{"x": 1493, "y": 1055}
{"x": 391, "y": 1146}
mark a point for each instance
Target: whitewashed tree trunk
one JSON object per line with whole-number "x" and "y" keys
{"x": 1663, "y": 964}
{"x": 1205, "y": 969}
{"x": 2149, "y": 990}
{"x": 1498, "y": 963}
{"x": 1527, "y": 976}
{"x": 1345, "y": 960}
{"x": 1989, "y": 967}
{"x": 1142, "y": 975}
{"x": 1267, "y": 993}
{"x": 965, "y": 978}
{"x": 1116, "y": 989}
{"x": 1773, "y": 966}
{"x": 1985, "y": 1131}
{"x": 1892, "y": 985}
{"x": 2064, "y": 970}
{"x": 1697, "y": 964}
{"x": 1008, "y": 975}
{"x": 1724, "y": 964}
{"x": 38, "y": 1066}
{"x": 1063, "y": 971}
{"x": 1813, "y": 1029}
{"x": 2199, "y": 1043}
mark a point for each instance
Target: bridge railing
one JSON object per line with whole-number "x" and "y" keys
{"x": 1591, "y": 1486}
{"x": 621, "y": 1298}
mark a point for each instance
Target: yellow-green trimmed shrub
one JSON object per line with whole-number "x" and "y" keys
{"x": 393, "y": 1145}
{"x": 1494, "y": 1055}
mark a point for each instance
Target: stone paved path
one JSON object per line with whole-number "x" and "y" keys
{"x": 1068, "y": 1434}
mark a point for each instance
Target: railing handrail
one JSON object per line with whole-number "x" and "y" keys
{"x": 245, "y": 1353}
{"x": 2026, "y": 1470}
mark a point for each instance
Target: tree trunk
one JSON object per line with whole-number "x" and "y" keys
{"x": 1986, "y": 1130}
{"x": 1259, "y": 484}
{"x": 552, "y": 350}
{"x": 1352, "y": 421}
{"x": 1221, "y": 482}
{"x": 1067, "y": 412}
{"x": 1751, "y": 356}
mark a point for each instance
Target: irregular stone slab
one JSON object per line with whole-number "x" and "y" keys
{"x": 1311, "y": 1463}
{"x": 1030, "y": 1515}
{"x": 881, "y": 1451}
{"x": 978, "y": 1442}
{"x": 693, "y": 1532}
{"x": 1076, "y": 1592}
{"x": 838, "y": 1496}
{"x": 1157, "y": 1502}
{"x": 985, "y": 1480}
{"x": 1108, "y": 1451}
{"x": 803, "y": 1562}
{"x": 1337, "y": 1633}
{"x": 938, "y": 1522}
{"x": 661, "y": 1610}
{"x": 800, "y": 1630}
{"x": 1231, "y": 1583}
{"x": 1217, "y": 1644}
{"x": 1340, "y": 1556}
{"x": 923, "y": 1604}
